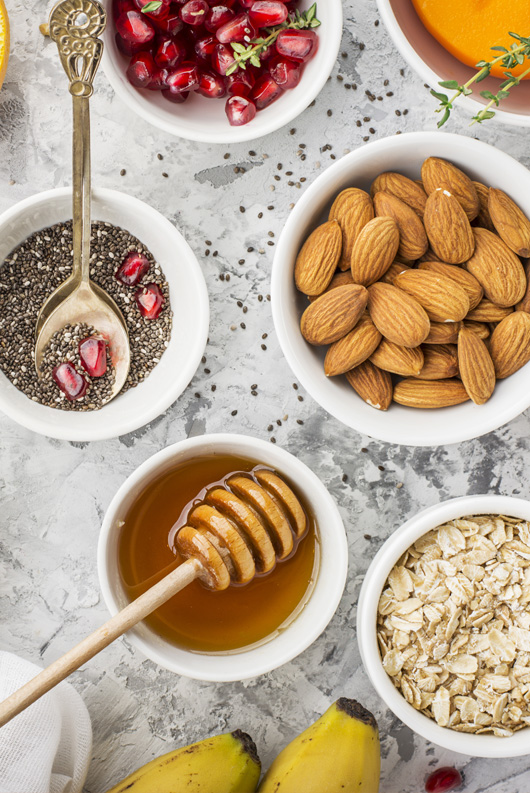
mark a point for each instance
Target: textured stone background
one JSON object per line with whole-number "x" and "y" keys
{"x": 53, "y": 494}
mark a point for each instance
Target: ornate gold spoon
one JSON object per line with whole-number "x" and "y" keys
{"x": 75, "y": 26}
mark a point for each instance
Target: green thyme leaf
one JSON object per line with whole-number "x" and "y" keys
{"x": 153, "y": 5}
{"x": 449, "y": 84}
{"x": 441, "y": 97}
{"x": 444, "y": 118}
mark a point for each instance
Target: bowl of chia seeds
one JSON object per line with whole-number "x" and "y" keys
{"x": 163, "y": 299}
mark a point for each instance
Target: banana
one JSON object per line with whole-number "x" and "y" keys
{"x": 339, "y": 753}
{"x": 226, "y": 763}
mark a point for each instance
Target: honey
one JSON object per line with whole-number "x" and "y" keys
{"x": 196, "y": 618}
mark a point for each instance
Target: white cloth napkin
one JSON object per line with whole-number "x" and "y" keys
{"x": 47, "y": 747}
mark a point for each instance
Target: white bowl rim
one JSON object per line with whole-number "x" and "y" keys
{"x": 288, "y": 463}
{"x": 427, "y": 74}
{"x": 370, "y": 426}
{"x": 402, "y": 538}
{"x": 300, "y": 100}
{"x": 155, "y": 409}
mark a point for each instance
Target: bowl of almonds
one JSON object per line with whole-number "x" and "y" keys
{"x": 400, "y": 289}
{"x": 443, "y": 624}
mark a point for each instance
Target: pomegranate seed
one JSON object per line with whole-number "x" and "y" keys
{"x": 443, "y": 779}
{"x": 240, "y": 110}
{"x": 170, "y": 52}
{"x": 222, "y": 59}
{"x": 265, "y": 91}
{"x": 285, "y": 73}
{"x": 135, "y": 28}
{"x": 149, "y": 299}
{"x": 159, "y": 13}
{"x": 211, "y": 85}
{"x": 246, "y": 3}
{"x": 239, "y": 28}
{"x": 266, "y": 13}
{"x": 159, "y": 81}
{"x": 141, "y": 70}
{"x": 239, "y": 83}
{"x": 121, "y": 6}
{"x": 133, "y": 268}
{"x": 194, "y": 12}
{"x": 69, "y": 381}
{"x": 205, "y": 47}
{"x": 184, "y": 78}
{"x": 300, "y": 45}
{"x": 126, "y": 48}
{"x": 93, "y": 354}
{"x": 171, "y": 25}
{"x": 218, "y": 16}
{"x": 176, "y": 98}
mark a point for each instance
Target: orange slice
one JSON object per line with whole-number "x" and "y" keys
{"x": 4, "y": 41}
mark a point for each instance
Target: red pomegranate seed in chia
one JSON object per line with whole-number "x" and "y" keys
{"x": 93, "y": 354}
{"x": 161, "y": 12}
{"x": 239, "y": 28}
{"x": 218, "y": 16}
{"x": 266, "y": 13}
{"x": 194, "y": 12}
{"x": 149, "y": 299}
{"x": 135, "y": 28}
{"x": 299, "y": 45}
{"x": 285, "y": 73}
{"x": 240, "y": 110}
{"x": 184, "y": 78}
{"x": 69, "y": 381}
{"x": 133, "y": 268}
{"x": 265, "y": 91}
{"x": 170, "y": 52}
{"x": 222, "y": 59}
{"x": 443, "y": 780}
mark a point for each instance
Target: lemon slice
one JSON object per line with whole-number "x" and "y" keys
{"x": 4, "y": 41}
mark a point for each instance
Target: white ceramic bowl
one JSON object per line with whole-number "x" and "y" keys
{"x": 305, "y": 627}
{"x": 434, "y": 63}
{"x": 189, "y": 302}
{"x": 204, "y": 119}
{"x": 402, "y": 425}
{"x": 374, "y": 581}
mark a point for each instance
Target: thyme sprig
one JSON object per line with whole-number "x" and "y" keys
{"x": 250, "y": 52}
{"x": 516, "y": 55}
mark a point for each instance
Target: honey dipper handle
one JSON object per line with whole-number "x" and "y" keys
{"x": 101, "y": 638}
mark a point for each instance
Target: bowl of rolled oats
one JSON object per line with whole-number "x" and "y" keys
{"x": 444, "y": 625}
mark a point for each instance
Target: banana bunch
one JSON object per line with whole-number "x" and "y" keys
{"x": 339, "y": 753}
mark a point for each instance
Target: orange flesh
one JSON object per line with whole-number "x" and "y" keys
{"x": 469, "y": 28}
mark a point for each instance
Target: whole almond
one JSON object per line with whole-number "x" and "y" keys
{"x": 480, "y": 329}
{"x": 497, "y": 269}
{"x": 397, "y": 315}
{"x": 524, "y": 304}
{"x": 510, "y": 344}
{"x": 339, "y": 279}
{"x": 353, "y": 209}
{"x": 440, "y": 361}
{"x": 430, "y": 394}
{"x": 476, "y": 367}
{"x": 429, "y": 256}
{"x": 318, "y": 259}
{"x": 443, "y": 333}
{"x": 442, "y": 298}
{"x": 374, "y": 250}
{"x": 483, "y": 218}
{"x": 393, "y": 358}
{"x": 465, "y": 280}
{"x": 440, "y": 174}
{"x": 412, "y": 237}
{"x": 448, "y": 229}
{"x": 408, "y": 191}
{"x": 334, "y": 314}
{"x": 486, "y": 311}
{"x": 352, "y": 349}
{"x": 394, "y": 270}
{"x": 511, "y": 223}
{"x": 372, "y": 384}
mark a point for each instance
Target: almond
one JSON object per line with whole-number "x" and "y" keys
{"x": 318, "y": 259}
{"x": 429, "y": 256}
{"x": 408, "y": 191}
{"x": 397, "y": 315}
{"x": 440, "y": 174}
{"x": 443, "y": 333}
{"x": 398, "y": 360}
{"x": 372, "y": 384}
{"x": 374, "y": 250}
{"x": 524, "y": 304}
{"x": 339, "y": 279}
{"x": 394, "y": 270}
{"x": 334, "y": 314}
{"x": 476, "y": 367}
{"x": 352, "y": 349}
{"x": 486, "y": 311}
{"x": 497, "y": 269}
{"x": 440, "y": 361}
{"x": 443, "y": 299}
{"x": 512, "y": 225}
{"x": 483, "y": 218}
{"x": 412, "y": 237}
{"x": 465, "y": 280}
{"x": 480, "y": 329}
{"x": 352, "y": 209}
{"x": 448, "y": 229}
{"x": 431, "y": 394}
{"x": 510, "y": 344}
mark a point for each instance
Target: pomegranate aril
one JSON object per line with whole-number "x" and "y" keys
{"x": 135, "y": 28}
{"x": 159, "y": 81}
{"x": 121, "y": 6}
{"x": 443, "y": 780}
{"x": 211, "y": 85}
{"x": 265, "y": 91}
{"x": 177, "y": 99}
{"x": 172, "y": 24}
{"x": 160, "y": 12}
{"x": 205, "y": 47}
{"x": 222, "y": 59}
{"x": 217, "y": 16}
{"x": 170, "y": 52}
{"x": 240, "y": 110}
{"x": 266, "y": 13}
{"x": 126, "y": 48}
{"x": 239, "y": 28}
{"x": 93, "y": 355}
{"x": 194, "y": 12}
{"x": 149, "y": 299}
{"x": 141, "y": 70}
{"x": 285, "y": 73}
{"x": 69, "y": 381}
{"x": 239, "y": 83}
{"x": 246, "y": 3}
{"x": 133, "y": 268}
{"x": 299, "y": 45}
{"x": 184, "y": 78}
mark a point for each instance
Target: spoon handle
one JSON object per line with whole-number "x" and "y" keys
{"x": 81, "y": 188}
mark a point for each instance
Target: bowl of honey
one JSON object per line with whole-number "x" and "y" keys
{"x": 286, "y": 570}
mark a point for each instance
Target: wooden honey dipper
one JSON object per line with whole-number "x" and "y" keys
{"x": 236, "y": 531}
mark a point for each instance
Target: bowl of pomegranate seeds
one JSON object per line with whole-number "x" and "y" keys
{"x": 147, "y": 267}
{"x": 262, "y": 61}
